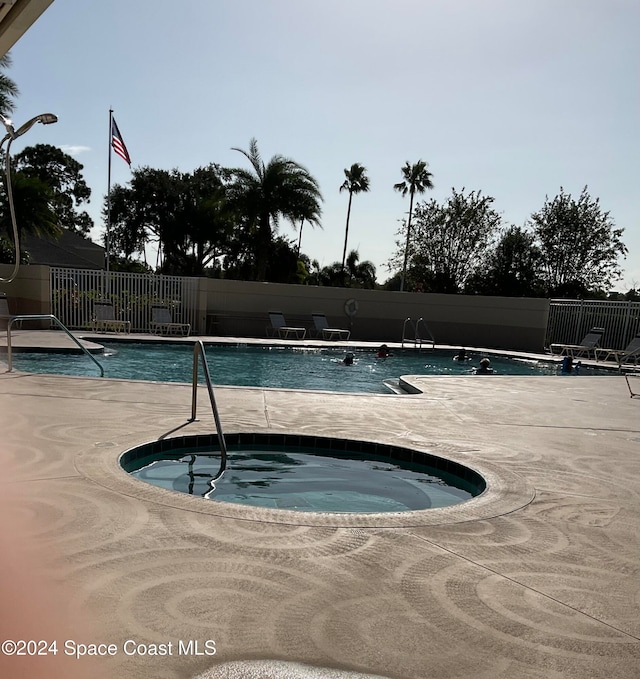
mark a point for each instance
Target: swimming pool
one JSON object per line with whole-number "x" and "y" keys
{"x": 304, "y": 473}
{"x": 272, "y": 366}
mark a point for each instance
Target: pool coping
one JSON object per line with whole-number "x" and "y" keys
{"x": 505, "y": 491}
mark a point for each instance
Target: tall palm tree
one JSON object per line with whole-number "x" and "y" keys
{"x": 8, "y": 89}
{"x": 416, "y": 179}
{"x": 281, "y": 188}
{"x": 356, "y": 182}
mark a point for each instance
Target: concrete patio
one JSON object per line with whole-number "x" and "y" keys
{"x": 537, "y": 578}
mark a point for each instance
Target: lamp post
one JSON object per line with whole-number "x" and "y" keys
{"x": 45, "y": 119}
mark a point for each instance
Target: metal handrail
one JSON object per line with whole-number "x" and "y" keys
{"x": 417, "y": 338}
{"x": 41, "y": 317}
{"x": 198, "y": 350}
{"x": 429, "y": 336}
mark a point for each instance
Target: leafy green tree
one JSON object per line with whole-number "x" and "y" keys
{"x": 142, "y": 211}
{"x": 355, "y": 274}
{"x": 449, "y": 241}
{"x": 579, "y": 245}
{"x": 8, "y": 89}
{"x": 32, "y": 200}
{"x": 283, "y": 263}
{"x": 129, "y": 265}
{"x": 416, "y": 179}
{"x": 203, "y": 222}
{"x": 187, "y": 215}
{"x": 511, "y": 268}
{"x": 8, "y": 252}
{"x": 63, "y": 174}
{"x": 279, "y": 188}
{"x": 313, "y": 270}
{"x": 356, "y": 182}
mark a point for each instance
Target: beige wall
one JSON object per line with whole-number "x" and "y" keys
{"x": 240, "y": 308}
{"x": 30, "y": 292}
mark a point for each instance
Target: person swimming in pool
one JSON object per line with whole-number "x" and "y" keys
{"x": 383, "y": 352}
{"x": 348, "y": 359}
{"x": 485, "y": 367}
{"x": 461, "y": 356}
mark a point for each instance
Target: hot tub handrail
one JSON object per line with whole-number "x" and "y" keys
{"x": 42, "y": 317}
{"x": 198, "y": 350}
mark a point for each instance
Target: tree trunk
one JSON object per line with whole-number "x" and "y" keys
{"x": 406, "y": 247}
{"x": 346, "y": 233}
{"x": 263, "y": 240}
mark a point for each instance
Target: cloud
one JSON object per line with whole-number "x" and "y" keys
{"x": 74, "y": 150}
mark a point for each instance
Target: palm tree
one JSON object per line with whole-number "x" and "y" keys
{"x": 8, "y": 89}
{"x": 308, "y": 208}
{"x": 356, "y": 182}
{"x": 416, "y": 179}
{"x": 281, "y": 188}
{"x": 355, "y": 274}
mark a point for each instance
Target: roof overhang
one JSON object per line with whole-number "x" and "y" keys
{"x": 16, "y": 17}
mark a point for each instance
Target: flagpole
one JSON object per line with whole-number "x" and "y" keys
{"x": 109, "y": 192}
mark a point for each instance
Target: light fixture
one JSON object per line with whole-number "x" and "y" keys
{"x": 45, "y": 119}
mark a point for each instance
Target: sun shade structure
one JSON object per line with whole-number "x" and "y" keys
{"x": 323, "y": 330}
{"x": 589, "y": 344}
{"x": 16, "y": 18}
{"x": 105, "y": 319}
{"x": 279, "y": 327}
{"x": 162, "y": 323}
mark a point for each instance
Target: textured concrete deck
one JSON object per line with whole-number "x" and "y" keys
{"x": 538, "y": 578}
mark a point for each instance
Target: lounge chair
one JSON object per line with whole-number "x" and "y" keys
{"x": 162, "y": 323}
{"x": 323, "y": 330}
{"x": 280, "y": 328}
{"x": 632, "y": 393}
{"x": 630, "y": 354}
{"x": 590, "y": 343}
{"x": 105, "y": 319}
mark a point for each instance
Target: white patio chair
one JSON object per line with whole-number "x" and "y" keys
{"x": 162, "y": 323}
{"x": 105, "y": 319}
{"x": 280, "y": 328}
{"x": 323, "y": 330}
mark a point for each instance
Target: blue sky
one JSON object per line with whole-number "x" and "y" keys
{"x": 512, "y": 98}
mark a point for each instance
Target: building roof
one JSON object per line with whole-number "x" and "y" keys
{"x": 70, "y": 250}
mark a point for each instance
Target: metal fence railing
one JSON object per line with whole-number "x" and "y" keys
{"x": 74, "y": 291}
{"x": 571, "y": 320}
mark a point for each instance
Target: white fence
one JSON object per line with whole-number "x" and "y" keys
{"x": 571, "y": 320}
{"x": 73, "y": 292}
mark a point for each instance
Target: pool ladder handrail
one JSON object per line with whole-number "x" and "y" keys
{"x": 198, "y": 350}
{"x": 42, "y": 317}
{"x": 417, "y": 339}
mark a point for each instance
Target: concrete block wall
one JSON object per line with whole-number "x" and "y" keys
{"x": 29, "y": 293}
{"x": 240, "y": 309}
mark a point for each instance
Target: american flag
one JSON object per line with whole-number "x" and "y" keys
{"x": 118, "y": 143}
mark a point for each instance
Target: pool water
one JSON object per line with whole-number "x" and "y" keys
{"x": 319, "y": 480}
{"x": 270, "y": 366}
